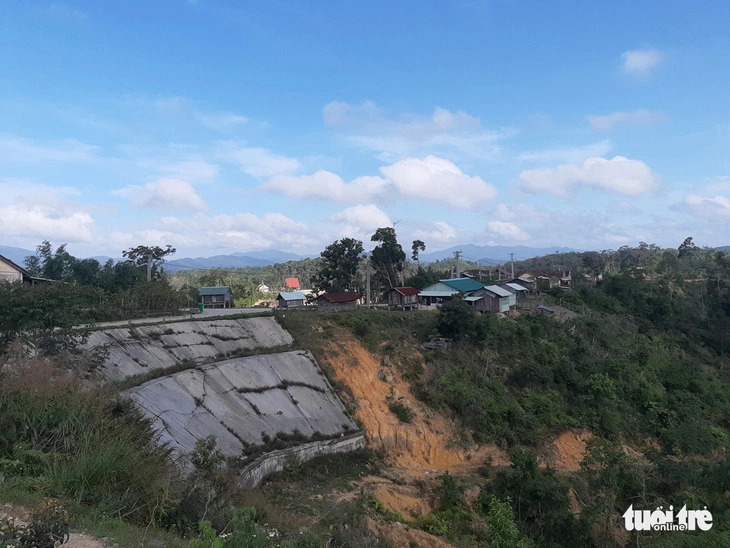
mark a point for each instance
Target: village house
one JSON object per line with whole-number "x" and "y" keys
{"x": 519, "y": 291}
{"x": 337, "y": 301}
{"x": 11, "y": 272}
{"x": 263, "y": 288}
{"x": 491, "y": 298}
{"x": 292, "y": 284}
{"x": 444, "y": 290}
{"x": 216, "y": 297}
{"x": 291, "y": 299}
{"x": 405, "y": 298}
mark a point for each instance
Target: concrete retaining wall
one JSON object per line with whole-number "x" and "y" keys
{"x": 243, "y": 401}
{"x": 253, "y": 474}
{"x": 139, "y": 349}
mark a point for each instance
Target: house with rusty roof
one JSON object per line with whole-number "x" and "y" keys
{"x": 444, "y": 290}
{"x": 405, "y": 298}
{"x": 338, "y": 301}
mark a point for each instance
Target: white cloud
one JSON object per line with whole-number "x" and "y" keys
{"x": 457, "y": 133}
{"x": 571, "y": 155}
{"x": 507, "y": 231}
{"x": 619, "y": 174}
{"x": 361, "y": 218}
{"x": 327, "y": 186}
{"x": 19, "y": 150}
{"x": 715, "y": 208}
{"x": 360, "y": 222}
{"x": 641, "y": 61}
{"x": 441, "y": 232}
{"x": 430, "y": 179}
{"x": 437, "y": 180}
{"x": 31, "y": 210}
{"x": 45, "y": 222}
{"x": 256, "y": 161}
{"x": 640, "y": 116}
{"x": 164, "y": 193}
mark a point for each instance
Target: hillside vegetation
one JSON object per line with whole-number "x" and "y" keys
{"x": 638, "y": 381}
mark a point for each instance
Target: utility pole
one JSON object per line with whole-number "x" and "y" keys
{"x": 512, "y": 258}
{"x": 367, "y": 282}
{"x": 457, "y": 254}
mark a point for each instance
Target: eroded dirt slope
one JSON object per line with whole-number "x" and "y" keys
{"x": 426, "y": 444}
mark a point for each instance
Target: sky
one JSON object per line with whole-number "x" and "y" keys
{"x": 223, "y": 126}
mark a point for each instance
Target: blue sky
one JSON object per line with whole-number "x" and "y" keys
{"x": 220, "y": 126}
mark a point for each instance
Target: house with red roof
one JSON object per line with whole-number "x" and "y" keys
{"x": 292, "y": 284}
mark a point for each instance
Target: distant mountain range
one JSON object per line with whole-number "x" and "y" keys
{"x": 235, "y": 260}
{"x": 492, "y": 254}
{"x": 15, "y": 254}
{"x": 484, "y": 254}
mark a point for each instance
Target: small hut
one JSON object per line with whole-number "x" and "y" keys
{"x": 290, "y": 299}
{"x": 216, "y": 297}
{"x": 337, "y": 301}
{"x": 405, "y": 298}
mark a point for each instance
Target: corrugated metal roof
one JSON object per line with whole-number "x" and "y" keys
{"x": 407, "y": 291}
{"x": 437, "y": 293}
{"x": 345, "y": 297}
{"x": 498, "y": 290}
{"x": 214, "y": 290}
{"x": 292, "y": 283}
{"x": 473, "y": 299}
{"x": 516, "y": 287}
{"x": 292, "y": 296}
{"x": 463, "y": 284}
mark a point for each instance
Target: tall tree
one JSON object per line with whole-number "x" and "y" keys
{"x": 417, "y": 246}
{"x": 151, "y": 257}
{"x": 339, "y": 265}
{"x": 387, "y": 258}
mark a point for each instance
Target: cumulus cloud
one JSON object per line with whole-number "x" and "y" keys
{"x": 641, "y": 61}
{"x": 637, "y": 117}
{"x": 619, "y": 174}
{"x": 327, "y": 186}
{"x": 441, "y": 232}
{"x": 507, "y": 231}
{"x": 715, "y": 208}
{"x": 359, "y": 221}
{"x": 369, "y": 127}
{"x": 32, "y": 210}
{"x": 45, "y": 222}
{"x": 164, "y": 193}
{"x": 437, "y": 180}
{"x": 430, "y": 179}
{"x": 256, "y": 161}
{"x": 362, "y": 218}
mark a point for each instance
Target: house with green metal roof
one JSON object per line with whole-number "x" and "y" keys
{"x": 444, "y": 290}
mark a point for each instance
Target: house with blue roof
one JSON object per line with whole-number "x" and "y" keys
{"x": 290, "y": 299}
